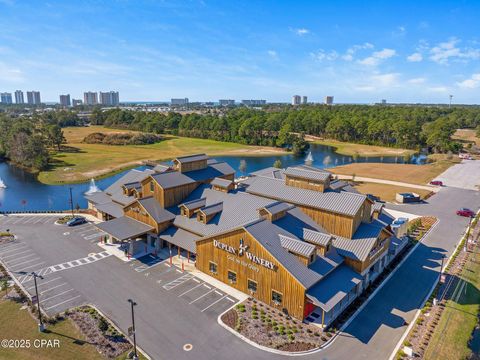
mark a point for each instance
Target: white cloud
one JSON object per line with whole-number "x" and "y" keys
{"x": 471, "y": 83}
{"x": 352, "y": 50}
{"x": 273, "y": 54}
{"x": 377, "y": 57}
{"x": 9, "y": 74}
{"x": 420, "y": 80}
{"x": 415, "y": 57}
{"x": 321, "y": 55}
{"x": 439, "y": 89}
{"x": 386, "y": 80}
{"x": 300, "y": 31}
{"x": 446, "y": 51}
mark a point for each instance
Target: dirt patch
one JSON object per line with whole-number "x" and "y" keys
{"x": 230, "y": 318}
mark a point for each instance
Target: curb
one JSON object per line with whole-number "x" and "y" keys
{"x": 345, "y": 325}
{"x": 417, "y": 314}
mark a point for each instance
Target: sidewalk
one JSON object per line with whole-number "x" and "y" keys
{"x": 390, "y": 182}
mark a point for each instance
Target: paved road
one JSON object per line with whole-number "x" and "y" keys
{"x": 390, "y": 182}
{"x": 465, "y": 175}
{"x": 174, "y": 311}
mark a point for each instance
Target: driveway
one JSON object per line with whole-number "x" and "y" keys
{"x": 465, "y": 175}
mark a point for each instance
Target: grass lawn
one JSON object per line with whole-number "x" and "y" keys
{"x": 413, "y": 174}
{"x": 350, "y": 149}
{"x": 450, "y": 340}
{"x": 387, "y": 192}
{"x": 81, "y": 162}
{"x": 466, "y": 136}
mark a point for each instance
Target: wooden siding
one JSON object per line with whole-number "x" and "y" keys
{"x": 175, "y": 196}
{"x": 359, "y": 266}
{"x": 306, "y": 184}
{"x": 280, "y": 280}
{"x": 190, "y": 166}
{"x": 265, "y": 214}
{"x": 336, "y": 224}
{"x": 137, "y": 211}
{"x": 367, "y": 211}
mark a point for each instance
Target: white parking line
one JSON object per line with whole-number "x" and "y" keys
{"x": 57, "y": 286}
{"x": 19, "y": 258}
{"x": 21, "y": 252}
{"x": 93, "y": 236}
{"x": 186, "y": 292}
{"x": 86, "y": 231}
{"x": 25, "y": 262}
{"x": 208, "y": 292}
{"x": 28, "y": 267}
{"x": 63, "y": 302}
{"x": 43, "y": 283}
{"x": 30, "y": 219}
{"x": 13, "y": 247}
{"x": 40, "y": 219}
{"x": 174, "y": 283}
{"x": 54, "y": 296}
{"x": 209, "y": 306}
{"x": 19, "y": 219}
{"x": 230, "y": 299}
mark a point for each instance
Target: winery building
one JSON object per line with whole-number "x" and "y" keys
{"x": 293, "y": 238}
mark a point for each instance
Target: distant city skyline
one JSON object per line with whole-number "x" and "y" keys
{"x": 209, "y": 50}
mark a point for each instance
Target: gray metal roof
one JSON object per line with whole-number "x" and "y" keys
{"x": 129, "y": 177}
{"x": 184, "y": 239}
{"x": 342, "y": 203}
{"x": 98, "y": 197}
{"x": 267, "y": 234}
{"x": 322, "y": 239}
{"x": 191, "y": 158}
{"x": 124, "y": 228}
{"x": 377, "y": 206}
{"x": 212, "y": 209}
{"x": 111, "y": 208}
{"x": 277, "y": 207}
{"x": 194, "y": 204}
{"x": 272, "y": 172}
{"x": 323, "y": 265}
{"x": 171, "y": 179}
{"x": 307, "y": 174}
{"x": 121, "y": 198}
{"x": 296, "y": 246}
{"x": 161, "y": 168}
{"x": 338, "y": 185}
{"x": 362, "y": 241}
{"x": 133, "y": 185}
{"x": 334, "y": 287}
{"x": 158, "y": 213}
{"x": 224, "y": 183}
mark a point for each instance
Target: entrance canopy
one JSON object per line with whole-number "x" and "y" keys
{"x": 334, "y": 287}
{"x": 181, "y": 238}
{"x": 124, "y": 228}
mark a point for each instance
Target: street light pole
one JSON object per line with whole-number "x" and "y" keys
{"x": 71, "y": 201}
{"x": 41, "y": 328}
{"x": 135, "y": 356}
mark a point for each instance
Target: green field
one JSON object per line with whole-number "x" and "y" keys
{"x": 79, "y": 162}
{"x": 352, "y": 149}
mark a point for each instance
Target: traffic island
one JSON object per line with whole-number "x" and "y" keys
{"x": 271, "y": 328}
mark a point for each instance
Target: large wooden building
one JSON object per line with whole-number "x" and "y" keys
{"x": 295, "y": 239}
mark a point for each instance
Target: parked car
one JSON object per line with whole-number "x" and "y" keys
{"x": 465, "y": 212}
{"x": 436, "y": 183}
{"x": 76, "y": 221}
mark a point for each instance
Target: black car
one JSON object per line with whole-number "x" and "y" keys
{"x": 76, "y": 221}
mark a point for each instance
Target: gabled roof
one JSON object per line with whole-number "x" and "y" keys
{"x": 191, "y": 158}
{"x": 159, "y": 168}
{"x": 133, "y": 185}
{"x": 153, "y": 208}
{"x": 172, "y": 179}
{"x": 315, "y": 237}
{"x": 194, "y": 204}
{"x": 223, "y": 183}
{"x": 98, "y": 197}
{"x": 129, "y": 177}
{"x": 296, "y": 246}
{"x": 307, "y": 174}
{"x": 278, "y": 207}
{"x": 111, "y": 208}
{"x": 124, "y": 228}
{"x": 184, "y": 239}
{"x": 212, "y": 209}
{"x": 342, "y": 203}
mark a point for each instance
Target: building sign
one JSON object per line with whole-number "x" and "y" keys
{"x": 241, "y": 251}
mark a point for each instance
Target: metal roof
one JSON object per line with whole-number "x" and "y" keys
{"x": 179, "y": 237}
{"x": 224, "y": 183}
{"x": 334, "y": 287}
{"x": 158, "y": 213}
{"x": 133, "y": 185}
{"x": 191, "y": 158}
{"x": 323, "y": 265}
{"x": 194, "y": 204}
{"x": 342, "y": 203}
{"x": 377, "y": 206}
{"x": 129, "y": 177}
{"x": 98, "y": 197}
{"x": 121, "y": 198}
{"x": 322, "y": 239}
{"x": 296, "y": 246}
{"x": 267, "y": 234}
{"x": 212, "y": 209}
{"x": 338, "y": 185}
{"x": 362, "y": 242}
{"x": 159, "y": 168}
{"x": 277, "y": 207}
{"x": 124, "y": 228}
{"x": 172, "y": 179}
{"x": 272, "y": 172}
{"x": 111, "y": 208}
{"x": 307, "y": 174}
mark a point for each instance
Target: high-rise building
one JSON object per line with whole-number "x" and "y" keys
{"x": 179, "y": 101}
{"x": 226, "y": 102}
{"x": 329, "y": 100}
{"x": 254, "y": 102}
{"x": 296, "y": 99}
{"x": 110, "y": 98}
{"x": 304, "y": 100}
{"x": 33, "y": 98}
{"x": 65, "y": 100}
{"x": 90, "y": 98}
{"x": 384, "y": 101}
{"x": 76, "y": 102}
{"x": 19, "y": 97}
{"x": 6, "y": 98}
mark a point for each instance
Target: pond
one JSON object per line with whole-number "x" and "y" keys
{"x": 25, "y": 193}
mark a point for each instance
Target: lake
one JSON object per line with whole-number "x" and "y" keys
{"x": 25, "y": 193}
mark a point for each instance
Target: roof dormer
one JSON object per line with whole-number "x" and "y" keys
{"x": 188, "y": 208}
{"x": 207, "y": 213}
{"x": 274, "y": 211}
{"x": 190, "y": 162}
{"x": 318, "y": 180}
{"x": 221, "y": 184}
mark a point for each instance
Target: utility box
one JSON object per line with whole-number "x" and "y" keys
{"x": 406, "y": 198}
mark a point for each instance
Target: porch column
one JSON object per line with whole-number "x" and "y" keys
{"x": 188, "y": 256}
{"x": 323, "y": 318}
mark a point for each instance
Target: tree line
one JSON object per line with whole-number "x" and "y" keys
{"x": 412, "y": 127}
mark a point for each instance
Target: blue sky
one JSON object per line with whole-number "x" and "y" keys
{"x": 358, "y": 51}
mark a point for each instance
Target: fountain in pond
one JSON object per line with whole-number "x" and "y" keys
{"x": 309, "y": 159}
{"x": 2, "y": 184}
{"x": 93, "y": 188}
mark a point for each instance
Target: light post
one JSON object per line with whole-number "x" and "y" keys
{"x": 133, "y": 303}
{"x": 71, "y": 201}
{"x": 41, "y": 327}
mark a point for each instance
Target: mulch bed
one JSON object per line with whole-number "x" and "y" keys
{"x": 230, "y": 318}
{"x": 111, "y": 344}
{"x": 5, "y": 239}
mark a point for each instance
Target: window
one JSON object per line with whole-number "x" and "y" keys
{"x": 152, "y": 186}
{"x": 212, "y": 267}
{"x": 252, "y": 286}
{"x": 232, "y": 277}
{"x": 276, "y": 297}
